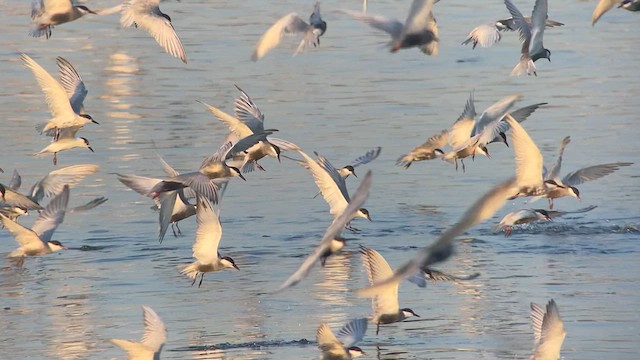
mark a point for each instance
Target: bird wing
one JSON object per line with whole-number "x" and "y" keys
{"x": 53, "y": 183}
{"x": 523, "y": 113}
{"x": 548, "y": 329}
{"x": 16, "y": 181}
{"x": 554, "y": 173}
{"x": 72, "y": 84}
{"x": 248, "y": 112}
{"x": 419, "y": 16}
{"x": 200, "y": 183}
{"x": 352, "y": 332}
{"x": 25, "y": 237}
{"x": 146, "y": 14}
{"x": 377, "y": 268}
{"x": 333, "y": 231}
{"x": 52, "y": 216}
{"x": 521, "y": 24}
{"x": 208, "y": 232}
{"x": 391, "y": 26}
{"x": 528, "y": 158}
{"x": 485, "y": 35}
{"x": 13, "y": 198}
{"x": 235, "y": 125}
{"x": 288, "y": 24}
{"x": 494, "y": 112}
{"x": 168, "y": 169}
{"x": 167, "y": 204}
{"x": 54, "y": 93}
{"x": 538, "y": 23}
{"x": 368, "y": 157}
{"x": 554, "y": 214}
{"x": 331, "y": 185}
{"x": 461, "y": 129}
{"x": 88, "y": 206}
{"x": 602, "y": 7}
{"x": 155, "y": 333}
{"x": 442, "y": 248}
{"x": 592, "y": 173}
{"x": 284, "y": 145}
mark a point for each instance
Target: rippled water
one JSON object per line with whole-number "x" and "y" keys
{"x": 342, "y": 99}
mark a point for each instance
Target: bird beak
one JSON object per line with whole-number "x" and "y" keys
{"x": 354, "y": 174}
{"x": 416, "y": 315}
{"x": 236, "y": 267}
{"x": 90, "y": 148}
{"x": 242, "y": 177}
{"x": 369, "y": 217}
{"x": 93, "y": 121}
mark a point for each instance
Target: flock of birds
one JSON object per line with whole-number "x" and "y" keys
{"x": 248, "y": 141}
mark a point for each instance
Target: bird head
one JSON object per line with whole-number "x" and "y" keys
{"x": 408, "y": 313}
{"x": 55, "y": 245}
{"x": 86, "y": 144}
{"x": 228, "y": 262}
{"x": 364, "y": 213}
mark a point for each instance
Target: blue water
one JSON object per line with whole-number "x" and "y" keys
{"x": 341, "y": 99}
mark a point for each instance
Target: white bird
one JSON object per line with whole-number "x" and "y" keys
{"x": 342, "y": 346}
{"x": 291, "y": 24}
{"x": 332, "y": 186}
{"x": 443, "y": 248}
{"x": 487, "y": 35}
{"x": 212, "y": 168}
{"x": 67, "y": 140}
{"x": 155, "y": 335}
{"x": 420, "y": 29}
{"x": 606, "y": 5}
{"x": 531, "y": 36}
{"x": 386, "y": 309}
{"x": 332, "y": 241}
{"x": 146, "y": 14}
{"x": 548, "y": 331}
{"x": 368, "y": 157}
{"x": 431, "y": 149}
{"x": 557, "y": 188}
{"x": 37, "y": 240}
{"x": 57, "y": 99}
{"x": 528, "y": 161}
{"x": 248, "y": 121}
{"x": 526, "y": 216}
{"x": 47, "y": 13}
{"x": 205, "y": 248}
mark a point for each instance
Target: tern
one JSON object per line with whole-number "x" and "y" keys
{"x": 332, "y": 186}
{"x": 12, "y": 198}
{"x": 67, "y": 140}
{"x": 155, "y": 335}
{"x": 37, "y": 240}
{"x": 606, "y": 5}
{"x": 526, "y": 216}
{"x": 332, "y": 241}
{"x": 45, "y": 14}
{"x": 443, "y": 247}
{"x": 487, "y": 35}
{"x": 249, "y": 120}
{"x": 205, "y": 248}
{"x": 419, "y": 30}
{"x": 548, "y": 331}
{"x": 341, "y": 347}
{"x": 57, "y": 99}
{"x": 146, "y": 15}
{"x": 531, "y": 36}
{"x": 431, "y": 149}
{"x": 291, "y": 24}
{"x": 385, "y": 303}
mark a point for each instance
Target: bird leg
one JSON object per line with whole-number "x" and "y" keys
{"x": 507, "y": 231}
{"x": 463, "y": 169}
{"x": 550, "y": 203}
{"x": 55, "y": 158}
{"x": 174, "y": 231}
{"x": 201, "y": 278}
{"x": 178, "y": 227}
{"x": 194, "y": 279}
{"x": 351, "y": 228}
{"x": 377, "y": 328}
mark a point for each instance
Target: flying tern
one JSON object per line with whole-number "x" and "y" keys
{"x": 205, "y": 248}
{"x": 342, "y": 346}
{"x": 146, "y": 15}
{"x": 531, "y": 36}
{"x": 291, "y": 24}
{"x": 526, "y": 216}
{"x": 45, "y": 14}
{"x": 386, "y": 309}
{"x": 155, "y": 335}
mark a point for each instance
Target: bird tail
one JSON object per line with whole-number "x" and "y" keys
{"x": 190, "y": 270}
{"x": 525, "y": 65}
{"x": 132, "y": 348}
